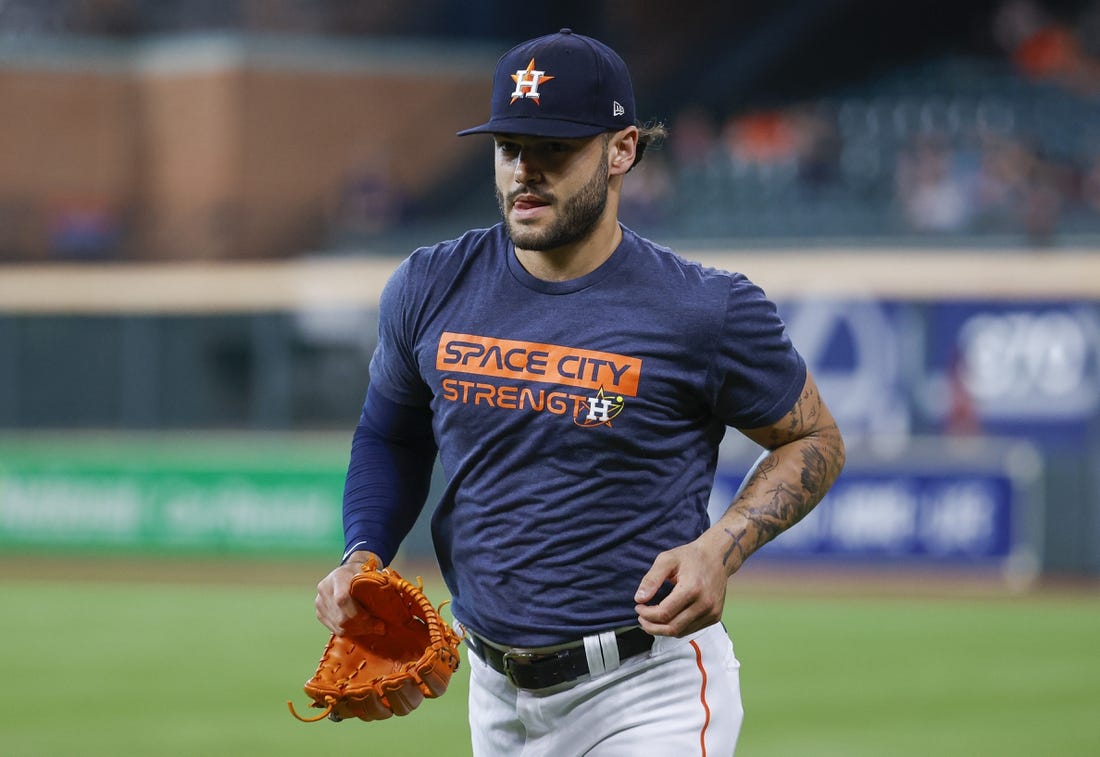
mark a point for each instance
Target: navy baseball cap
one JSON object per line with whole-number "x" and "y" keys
{"x": 561, "y": 85}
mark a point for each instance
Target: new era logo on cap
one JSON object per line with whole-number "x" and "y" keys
{"x": 560, "y": 85}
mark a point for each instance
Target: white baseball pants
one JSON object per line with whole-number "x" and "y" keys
{"x": 682, "y": 698}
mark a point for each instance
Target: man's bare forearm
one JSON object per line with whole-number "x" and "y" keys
{"x": 786, "y": 483}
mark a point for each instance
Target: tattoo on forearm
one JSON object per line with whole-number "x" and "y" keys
{"x": 783, "y": 505}
{"x": 767, "y": 465}
{"x": 735, "y": 543}
{"x": 801, "y": 417}
{"x": 815, "y": 473}
{"x": 780, "y": 510}
{"x": 783, "y": 489}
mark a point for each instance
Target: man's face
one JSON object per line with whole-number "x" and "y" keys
{"x": 551, "y": 192}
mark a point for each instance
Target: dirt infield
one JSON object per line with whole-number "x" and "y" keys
{"x": 753, "y": 580}
{"x": 162, "y": 569}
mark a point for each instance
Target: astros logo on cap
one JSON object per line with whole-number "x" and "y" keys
{"x": 527, "y": 83}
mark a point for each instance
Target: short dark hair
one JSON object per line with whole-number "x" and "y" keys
{"x": 649, "y": 134}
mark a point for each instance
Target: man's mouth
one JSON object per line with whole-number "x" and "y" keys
{"x": 528, "y": 202}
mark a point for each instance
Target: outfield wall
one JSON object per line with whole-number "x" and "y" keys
{"x": 967, "y": 383}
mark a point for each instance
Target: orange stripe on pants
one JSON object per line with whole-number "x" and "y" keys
{"x": 702, "y": 698}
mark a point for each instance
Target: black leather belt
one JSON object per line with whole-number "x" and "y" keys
{"x": 549, "y": 666}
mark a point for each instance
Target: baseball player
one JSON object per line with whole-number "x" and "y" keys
{"x": 575, "y": 380}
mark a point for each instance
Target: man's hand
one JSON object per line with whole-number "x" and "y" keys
{"x": 335, "y": 607}
{"x": 698, "y": 591}
{"x": 390, "y": 654}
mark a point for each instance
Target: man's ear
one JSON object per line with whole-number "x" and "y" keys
{"x": 622, "y": 150}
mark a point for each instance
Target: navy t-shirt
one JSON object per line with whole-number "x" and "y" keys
{"x": 578, "y": 422}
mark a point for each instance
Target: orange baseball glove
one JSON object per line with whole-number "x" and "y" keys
{"x": 396, "y": 652}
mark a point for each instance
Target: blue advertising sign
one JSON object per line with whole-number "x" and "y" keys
{"x": 945, "y": 517}
{"x": 1022, "y": 368}
{"x": 993, "y": 367}
{"x": 856, "y": 350}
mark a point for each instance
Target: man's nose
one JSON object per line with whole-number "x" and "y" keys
{"x": 527, "y": 169}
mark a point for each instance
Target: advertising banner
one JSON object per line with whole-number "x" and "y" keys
{"x": 154, "y": 502}
{"x": 965, "y": 518}
{"x": 1027, "y": 369}
{"x": 1003, "y": 368}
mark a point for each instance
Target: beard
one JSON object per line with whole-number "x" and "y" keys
{"x": 577, "y": 218}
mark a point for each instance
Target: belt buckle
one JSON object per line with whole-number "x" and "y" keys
{"x": 509, "y": 661}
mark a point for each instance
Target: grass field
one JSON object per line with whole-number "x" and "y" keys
{"x": 136, "y": 661}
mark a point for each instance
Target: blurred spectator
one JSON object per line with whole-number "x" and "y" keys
{"x": 797, "y": 145}
{"x": 763, "y": 137}
{"x": 1001, "y": 185}
{"x": 645, "y": 199}
{"x": 1044, "y": 200}
{"x": 819, "y": 146}
{"x": 693, "y": 138}
{"x": 1019, "y": 189}
{"x": 1044, "y": 48}
{"x": 931, "y": 188}
{"x": 1090, "y": 185}
{"x": 962, "y": 417}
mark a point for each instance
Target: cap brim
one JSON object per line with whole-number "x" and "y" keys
{"x": 536, "y": 127}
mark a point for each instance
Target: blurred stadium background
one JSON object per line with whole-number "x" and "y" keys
{"x": 199, "y": 203}
{"x": 201, "y": 199}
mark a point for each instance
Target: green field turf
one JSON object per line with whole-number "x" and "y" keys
{"x": 165, "y": 668}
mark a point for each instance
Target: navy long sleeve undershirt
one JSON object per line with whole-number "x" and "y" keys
{"x": 389, "y": 475}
